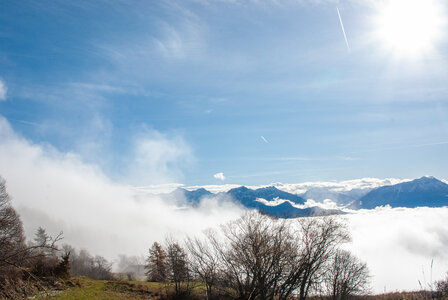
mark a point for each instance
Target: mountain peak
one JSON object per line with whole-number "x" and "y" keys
{"x": 268, "y": 189}
{"x": 240, "y": 189}
{"x": 427, "y": 183}
{"x": 424, "y": 191}
{"x": 427, "y": 178}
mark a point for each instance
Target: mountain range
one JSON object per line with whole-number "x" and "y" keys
{"x": 424, "y": 191}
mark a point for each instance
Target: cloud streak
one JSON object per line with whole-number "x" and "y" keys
{"x": 343, "y": 30}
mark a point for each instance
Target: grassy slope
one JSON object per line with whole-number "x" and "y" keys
{"x": 84, "y": 288}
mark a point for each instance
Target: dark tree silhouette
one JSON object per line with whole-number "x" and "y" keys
{"x": 178, "y": 269}
{"x": 156, "y": 264}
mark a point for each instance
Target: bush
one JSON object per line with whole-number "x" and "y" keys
{"x": 442, "y": 287}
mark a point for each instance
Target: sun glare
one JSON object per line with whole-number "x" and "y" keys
{"x": 409, "y": 28}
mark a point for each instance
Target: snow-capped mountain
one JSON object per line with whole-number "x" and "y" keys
{"x": 273, "y": 201}
{"x": 269, "y": 200}
{"x": 425, "y": 191}
{"x": 326, "y": 198}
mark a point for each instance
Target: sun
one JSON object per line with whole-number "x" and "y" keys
{"x": 409, "y": 28}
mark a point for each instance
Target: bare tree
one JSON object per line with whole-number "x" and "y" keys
{"x": 13, "y": 250}
{"x": 157, "y": 264}
{"x": 317, "y": 239}
{"x": 204, "y": 263}
{"x": 82, "y": 263}
{"x": 346, "y": 276}
{"x": 259, "y": 257}
{"x": 101, "y": 268}
{"x": 255, "y": 253}
{"x": 18, "y": 261}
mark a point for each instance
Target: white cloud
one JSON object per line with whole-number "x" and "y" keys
{"x": 61, "y": 192}
{"x": 398, "y": 245}
{"x": 300, "y": 188}
{"x": 157, "y": 188}
{"x": 214, "y": 188}
{"x": 220, "y": 176}
{"x": 326, "y": 204}
{"x": 157, "y": 158}
{"x": 3, "y": 90}
{"x": 338, "y": 186}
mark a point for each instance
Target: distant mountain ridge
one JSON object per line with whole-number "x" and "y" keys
{"x": 425, "y": 191}
{"x": 247, "y": 196}
{"x": 192, "y": 197}
{"x": 249, "y": 199}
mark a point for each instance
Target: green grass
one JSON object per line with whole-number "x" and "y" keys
{"x": 84, "y": 288}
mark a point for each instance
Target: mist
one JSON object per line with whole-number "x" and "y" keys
{"x": 58, "y": 191}
{"x": 399, "y": 244}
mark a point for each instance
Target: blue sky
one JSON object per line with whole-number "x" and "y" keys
{"x": 189, "y": 88}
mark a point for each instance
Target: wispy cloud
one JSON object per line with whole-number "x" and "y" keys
{"x": 158, "y": 158}
{"x": 300, "y": 188}
{"x": 3, "y": 90}
{"x": 177, "y": 36}
{"x": 396, "y": 146}
{"x": 304, "y": 158}
{"x": 182, "y": 42}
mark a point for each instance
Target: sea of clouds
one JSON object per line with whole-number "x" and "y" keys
{"x": 59, "y": 191}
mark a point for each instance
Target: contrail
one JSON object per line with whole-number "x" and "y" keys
{"x": 264, "y": 139}
{"x": 343, "y": 30}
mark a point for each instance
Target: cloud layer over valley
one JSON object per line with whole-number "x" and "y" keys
{"x": 61, "y": 192}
